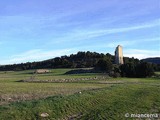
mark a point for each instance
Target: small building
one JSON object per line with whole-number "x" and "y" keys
{"x": 119, "y": 55}
{"x": 41, "y": 71}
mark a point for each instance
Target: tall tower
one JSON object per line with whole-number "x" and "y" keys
{"x": 119, "y": 55}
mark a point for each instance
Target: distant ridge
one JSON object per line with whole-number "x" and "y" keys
{"x": 155, "y": 60}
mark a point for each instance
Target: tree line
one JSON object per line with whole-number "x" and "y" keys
{"x": 79, "y": 60}
{"x": 100, "y": 61}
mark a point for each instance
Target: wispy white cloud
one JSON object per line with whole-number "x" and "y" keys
{"x": 123, "y": 43}
{"x": 97, "y": 33}
{"x": 131, "y": 42}
{"x": 140, "y": 54}
{"x": 83, "y": 34}
{"x": 37, "y": 55}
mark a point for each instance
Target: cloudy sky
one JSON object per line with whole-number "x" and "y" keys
{"x": 34, "y": 30}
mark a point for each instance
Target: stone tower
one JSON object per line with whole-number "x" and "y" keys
{"x": 119, "y": 55}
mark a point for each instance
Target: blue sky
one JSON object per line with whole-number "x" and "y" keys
{"x": 35, "y": 30}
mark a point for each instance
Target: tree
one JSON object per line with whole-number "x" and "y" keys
{"x": 144, "y": 69}
{"x": 104, "y": 65}
{"x": 128, "y": 70}
{"x": 133, "y": 69}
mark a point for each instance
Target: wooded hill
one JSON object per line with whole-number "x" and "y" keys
{"x": 79, "y": 60}
{"x": 155, "y": 60}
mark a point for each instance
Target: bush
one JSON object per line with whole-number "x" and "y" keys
{"x": 104, "y": 65}
{"x": 114, "y": 74}
{"x": 142, "y": 69}
{"x": 128, "y": 70}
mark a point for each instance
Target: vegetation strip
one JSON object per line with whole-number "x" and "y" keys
{"x": 65, "y": 80}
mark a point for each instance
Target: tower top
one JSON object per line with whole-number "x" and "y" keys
{"x": 119, "y": 46}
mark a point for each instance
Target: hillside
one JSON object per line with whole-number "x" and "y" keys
{"x": 155, "y": 60}
{"x": 79, "y": 60}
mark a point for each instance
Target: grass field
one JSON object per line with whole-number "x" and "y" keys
{"x": 109, "y": 98}
{"x": 11, "y": 90}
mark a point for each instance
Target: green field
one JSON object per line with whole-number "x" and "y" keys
{"x": 94, "y": 99}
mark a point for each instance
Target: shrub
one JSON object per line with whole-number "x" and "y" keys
{"x": 104, "y": 65}
{"x": 142, "y": 69}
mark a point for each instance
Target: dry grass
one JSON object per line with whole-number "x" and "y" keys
{"x": 12, "y": 91}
